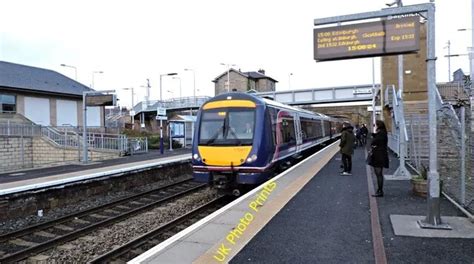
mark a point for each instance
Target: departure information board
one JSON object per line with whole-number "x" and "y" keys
{"x": 385, "y": 37}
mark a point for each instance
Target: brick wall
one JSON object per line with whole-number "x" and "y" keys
{"x": 15, "y": 153}
{"x": 21, "y": 153}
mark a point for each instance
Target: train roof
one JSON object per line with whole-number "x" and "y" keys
{"x": 260, "y": 100}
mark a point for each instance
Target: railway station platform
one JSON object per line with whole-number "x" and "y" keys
{"x": 312, "y": 214}
{"x": 32, "y": 179}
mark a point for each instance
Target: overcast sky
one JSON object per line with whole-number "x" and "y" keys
{"x": 131, "y": 41}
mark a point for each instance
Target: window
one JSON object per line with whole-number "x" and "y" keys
{"x": 7, "y": 103}
{"x": 227, "y": 127}
{"x": 287, "y": 129}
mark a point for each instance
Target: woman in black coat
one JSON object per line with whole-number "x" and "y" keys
{"x": 379, "y": 157}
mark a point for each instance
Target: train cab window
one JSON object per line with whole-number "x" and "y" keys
{"x": 227, "y": 126}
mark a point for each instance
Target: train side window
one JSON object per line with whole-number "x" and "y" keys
{"x": 274, "y": 119}
{"x": 288, "y": 129}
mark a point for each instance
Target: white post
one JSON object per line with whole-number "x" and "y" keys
{"x": 433, "y": 217}
{"x": 84, "y": 128}
{"x": 463, "y": 155}
{"x": 401, "y": 172}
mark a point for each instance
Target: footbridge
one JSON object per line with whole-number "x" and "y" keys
{"x": 339, "y": 94}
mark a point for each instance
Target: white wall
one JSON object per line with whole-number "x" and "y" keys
{"x": 66, "y": 112}
{"x": 93, "y": 116}
{"x": 37, "y": 110}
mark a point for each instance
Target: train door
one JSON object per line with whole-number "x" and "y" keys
{"x": 299, "y": 138}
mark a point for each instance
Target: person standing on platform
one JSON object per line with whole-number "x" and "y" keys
{"x": 364, "y": 132}
{"x": 347, "y": 147}
{"x": 378, "y": 158}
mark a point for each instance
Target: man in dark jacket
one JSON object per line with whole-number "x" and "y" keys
{"x": 347, "y": 147}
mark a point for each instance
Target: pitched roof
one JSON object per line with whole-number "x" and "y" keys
{"x": 250, "y": 75}
{"x": 32, "y": 79}
{"x": 258, "y": 75}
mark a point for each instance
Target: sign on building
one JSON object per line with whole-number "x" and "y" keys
{"x": 161, "y": 111}
{"x": 384, "y": 37}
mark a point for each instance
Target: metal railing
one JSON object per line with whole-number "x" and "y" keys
{"x": 70, "y": 136}
{"x": 174, "y": 103}
{"x": 19, "y": 129}
{"x": 455, "y": 155}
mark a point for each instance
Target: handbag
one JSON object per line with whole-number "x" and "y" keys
{"x": 369, "y": 157}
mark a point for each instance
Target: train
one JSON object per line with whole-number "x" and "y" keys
{"x": 241, "y": 140}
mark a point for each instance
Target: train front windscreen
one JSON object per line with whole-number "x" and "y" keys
{"x": 227, "y": 127}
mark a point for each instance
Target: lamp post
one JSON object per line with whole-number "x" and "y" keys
{"x": 132, "y": 112}
{"x": 228, "y": 74}
{"x": 289, "y": 80}
{"x": 93, "y": 73}
{"x": 160, "y": 104}
{"x": 70, "y": 66}
{"x": 180, "y": 94}
{"x": 448, "y": 46}
{"x": 194, "y": 84}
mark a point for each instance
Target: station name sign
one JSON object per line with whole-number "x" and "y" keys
{"x": 385, "y": 37}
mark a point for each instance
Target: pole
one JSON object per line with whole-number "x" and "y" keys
{"x": 194, "y": 91}
{"x": 84, "y": 127}
{"x": 433, "y": 218}
{"x": 373, "y": 92}
{"x": 401, "y": 172}
{"x": 133, "y": 104}
{"x": 161, "y": 121}
{"x": 449, "y": 60}
{"x": 228, "y": 78}
{"x": 289, "y": 81}
{"x": 169, "y": 133}
{"x": 463, "y": 155}
{"x": 148, "y": 92}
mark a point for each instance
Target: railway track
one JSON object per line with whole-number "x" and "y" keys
{"x": 146, "y": 241}
{"x": 21, "y": 244}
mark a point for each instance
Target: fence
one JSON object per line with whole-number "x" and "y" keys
{"x": 455, "y": 142}
{"x": 29, "y": 146}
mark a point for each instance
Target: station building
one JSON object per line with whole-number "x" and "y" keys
{"x": 44, "y": 97}
{"x": 244, "y": 81}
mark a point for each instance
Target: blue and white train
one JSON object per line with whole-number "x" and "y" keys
{"x": 241, "y": 139}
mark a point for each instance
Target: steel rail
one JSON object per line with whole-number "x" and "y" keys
{"x": 145, "y": 238}
{"x": 25, "y": 253}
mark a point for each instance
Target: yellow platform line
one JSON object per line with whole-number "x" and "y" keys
{"x": 273, "y": 206}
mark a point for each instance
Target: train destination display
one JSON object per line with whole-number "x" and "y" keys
{"x": 385, "y": 37}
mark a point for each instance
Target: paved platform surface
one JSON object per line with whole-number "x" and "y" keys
{"x": 44, "y": 175}
{"x": 329, "y": 221}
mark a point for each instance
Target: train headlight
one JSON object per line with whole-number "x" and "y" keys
{"x": 252, "y": 158}
{"x": 196, "y": 157}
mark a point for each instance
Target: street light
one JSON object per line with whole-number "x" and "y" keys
{"x": 228, "y": 73}
{"x": 289, "y": 80}
{"x": 160, "y": 104}
{"x": 132, "y": 111}
{"x": 93, "y": 73}
{"x": 449, "y": 59}
{"x": 70, "y": 66}
{"x": 471, "y": 49}
{"x": 194, "y": 83}
{"x": 178, "y": 78}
